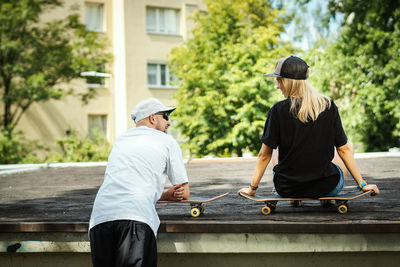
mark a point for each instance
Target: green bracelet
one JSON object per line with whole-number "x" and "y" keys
{"x": 362, "y": 185}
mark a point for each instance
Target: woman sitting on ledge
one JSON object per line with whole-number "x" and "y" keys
{"x": 306, "y": 128}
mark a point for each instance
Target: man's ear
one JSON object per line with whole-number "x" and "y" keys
{"x": 152, "y": 120}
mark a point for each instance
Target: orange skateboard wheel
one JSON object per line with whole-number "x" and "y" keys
{"x": 266, "y": 210}
{"x": 342, "y": 209}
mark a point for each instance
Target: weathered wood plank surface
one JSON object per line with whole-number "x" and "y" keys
{"x": 65, "y": 195}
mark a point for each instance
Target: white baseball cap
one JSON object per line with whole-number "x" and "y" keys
{"x": 147, "y": 107}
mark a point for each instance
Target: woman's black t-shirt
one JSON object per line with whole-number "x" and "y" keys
{"x": 305, "y": 150}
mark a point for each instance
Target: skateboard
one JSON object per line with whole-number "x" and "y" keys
{"x": 271, "y": 202}
{"x": 196, "y": 207}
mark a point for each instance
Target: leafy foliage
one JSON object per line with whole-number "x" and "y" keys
{"x": 75, "y": 149}
{"x": 360, "y": 71}
{"x": 36, "y": 58}
{"x": 223, "y": 97}
{"x": 16, "y": 149}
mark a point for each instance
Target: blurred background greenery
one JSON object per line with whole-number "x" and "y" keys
{"x": 352, "y": 46}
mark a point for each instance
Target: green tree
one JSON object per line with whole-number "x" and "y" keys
{"x": 360, "y": 71}
{"x": 223, "y": 97}
{"x": 37, "y": 58}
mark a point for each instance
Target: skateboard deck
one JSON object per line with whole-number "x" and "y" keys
{"x": 271, "y": 202}
{"x": 196, "y": 207}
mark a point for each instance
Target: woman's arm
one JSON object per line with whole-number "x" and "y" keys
{"x": 346, "y": 154}
{"x": 264, "y": 157}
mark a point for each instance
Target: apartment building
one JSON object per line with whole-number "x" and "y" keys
{"x": 141, "y": 34}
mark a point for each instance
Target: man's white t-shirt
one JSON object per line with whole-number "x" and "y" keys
{"x": 137, "y": 168}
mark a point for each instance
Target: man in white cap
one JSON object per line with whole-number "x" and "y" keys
{"x": 124, "y": 222}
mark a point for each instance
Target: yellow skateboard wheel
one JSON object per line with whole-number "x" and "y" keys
{"x": 342, "y": 209}
{"x": 195, "y": 212}
{"x": 266, "y": 210}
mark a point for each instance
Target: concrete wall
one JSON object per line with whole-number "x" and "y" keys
{"x": 207, "y": 249}
{"x": 365, "y": 259}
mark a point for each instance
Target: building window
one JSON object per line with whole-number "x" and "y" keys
{"x": 97, "y": 124}
{"x": 94, "y": 17}
{"x": 158, "y": 75}
{"x": 162, "y": 20}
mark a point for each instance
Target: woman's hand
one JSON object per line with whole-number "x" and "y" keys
{"x": 248, "y": 191}
{"x": 373, "y": 187}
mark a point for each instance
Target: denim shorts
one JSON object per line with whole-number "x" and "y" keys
{"x": 339, "y": 186}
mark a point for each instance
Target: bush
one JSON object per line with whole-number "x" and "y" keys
{"x": 15, "y": 149}
{"x": 74, "y": 149}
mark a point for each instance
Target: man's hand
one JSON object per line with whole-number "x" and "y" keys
{"x": 175, "y": 193}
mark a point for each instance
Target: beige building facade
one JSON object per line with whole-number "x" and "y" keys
{"x": 141, "y": 33}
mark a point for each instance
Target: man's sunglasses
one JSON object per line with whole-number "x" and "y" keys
{"x": 165, "y": 115}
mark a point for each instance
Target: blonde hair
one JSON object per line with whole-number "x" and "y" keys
{"x": 307, "y": 103}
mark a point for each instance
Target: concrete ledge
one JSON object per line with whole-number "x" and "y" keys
{"x": 21, "y": 168}
{"x": 276, "y": 243}
{"x": 213, "y": 226}
{"x": 212, "y": 243}
{"x": 17, "y": 168}
{"x": 279, "y": 227}
{"x": 44, "y": 242}
{"x": 34, "y": 227}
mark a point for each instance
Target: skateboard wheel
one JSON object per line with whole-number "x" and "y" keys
{"x": 201, "y": 209}
{"x": 266, "y": 210}
{"x": 342, "y": 209}
{"x": 195, "y": 212}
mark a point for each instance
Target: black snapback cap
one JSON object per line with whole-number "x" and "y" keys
{"x": 290, "y": 67}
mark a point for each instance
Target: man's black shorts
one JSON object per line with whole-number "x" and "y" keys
{"x": 123, "y": 243}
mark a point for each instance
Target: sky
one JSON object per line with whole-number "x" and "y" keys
{"x": 308, "y": 23}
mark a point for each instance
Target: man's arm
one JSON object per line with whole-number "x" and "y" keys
{"x": 176, "y": 193}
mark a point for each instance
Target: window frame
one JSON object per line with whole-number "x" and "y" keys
{"x": 158, "y": 85}
{"x": 102, "y": 28}
{"x": 104, "y": 122}
{"x": 166, "y": 24}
